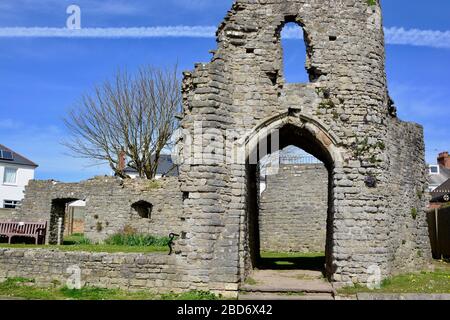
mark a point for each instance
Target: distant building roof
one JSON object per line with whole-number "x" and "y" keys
{"x": 443, "y": 190}
{"x": 9, "y": 156}
{"x": 440, "y": 178}
{"x": 166, "y": 167}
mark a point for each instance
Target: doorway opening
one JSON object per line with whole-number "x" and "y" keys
{"x": 74, "y": 220}
{"x": 290, "y": 204}
{"x": 58, "y": 217}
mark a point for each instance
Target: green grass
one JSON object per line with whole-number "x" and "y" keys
{"x": 283, "y": 255}
{"x": 26, "y": 289}
{"x": 251, "y": 281}
{"x": 153, "y": 184}
{"x": 421, "y": 282}
{"x": 92, "y": 248}
{"x": 76, "y": 239}
{"x": 137, "y": 240}
{"x": 118, "y": 243}
{"x": 292, "y": 260}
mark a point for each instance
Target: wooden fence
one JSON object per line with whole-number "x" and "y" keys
{"x": 439, "y": 227}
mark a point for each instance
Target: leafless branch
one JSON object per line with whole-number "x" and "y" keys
{"x": 131, "y": 114}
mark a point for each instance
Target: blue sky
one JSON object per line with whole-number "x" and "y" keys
{"x": 41, "y": 78}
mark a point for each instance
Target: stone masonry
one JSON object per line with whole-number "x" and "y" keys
{"x": 344, "y": 117}
{"x": 109, "y": 205}
{"x": 129, "y": 271}
{"x": 293, "y": 209}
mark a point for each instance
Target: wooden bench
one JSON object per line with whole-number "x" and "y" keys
{"x": 36, "y": 230}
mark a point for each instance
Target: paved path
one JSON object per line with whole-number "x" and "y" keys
{"x": 287, "y": 285}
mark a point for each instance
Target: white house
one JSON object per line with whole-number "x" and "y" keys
{"x": 439, "y": 173}
{"x": 15, "y": 172}
{"x": 166, "y": 168}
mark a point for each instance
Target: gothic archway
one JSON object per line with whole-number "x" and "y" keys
{"x": 291, "y": 129}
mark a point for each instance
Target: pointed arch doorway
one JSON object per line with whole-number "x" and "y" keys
{"x": 269, "y": 138}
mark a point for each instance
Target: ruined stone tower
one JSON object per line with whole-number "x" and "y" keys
{"x": 343, "y": 116}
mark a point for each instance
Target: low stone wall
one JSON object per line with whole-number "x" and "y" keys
{"x": 109, "y": 205}
{"x": 129, "y": 271}
{"x": 293, "y": 209}
{"x": 6, "y": 214}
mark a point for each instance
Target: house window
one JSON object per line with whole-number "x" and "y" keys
{"x": 434, "y": 170}
{"x": 10, "y": 176}
{"x": 10, "y": 204}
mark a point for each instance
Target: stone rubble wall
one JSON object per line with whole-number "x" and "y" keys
{"x": 108, "y": 205}
{"x": 6, "y": 214}
{"x": 345, "y": 117}
{"x": 128, "y": 271}
{"x": 293, "y": 209}
{"x": 408, "y": 234}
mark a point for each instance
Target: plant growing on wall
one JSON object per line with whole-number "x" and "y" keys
{"x": 414, "y": 213}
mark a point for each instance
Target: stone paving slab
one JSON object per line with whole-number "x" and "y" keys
{"x": 403, "y": 296}
{"x": 272, "y": 296}
{"x": 271, "y": 281}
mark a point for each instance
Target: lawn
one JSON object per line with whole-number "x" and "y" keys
{"x": 429, "y": 282}
{"x": 115, "y": 244}
{"x": 92, "y": 248}
{"x": 26, "y": 289}
{"x": 292, "y": 261}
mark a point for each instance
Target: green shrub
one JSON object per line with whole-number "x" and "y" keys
{"x": 414, "y": 213}
{"x": 76, "y": 239}
{"x": 136, "y": 240}
{"x": 153, "y": 184}
{"x": 191, "y": 295}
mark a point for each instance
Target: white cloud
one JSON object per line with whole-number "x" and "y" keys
{"x": 9, "y": 124}
{"x": 394, "y": 35}
{"x": 416, "y": 37}
{"x": 143, "y": 32}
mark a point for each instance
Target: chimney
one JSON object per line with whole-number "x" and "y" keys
{"x": 122, "y": 160}
{"x": 444, "y": 160}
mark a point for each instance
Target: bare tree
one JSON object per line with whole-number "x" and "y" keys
{"x": 131, "y": 115}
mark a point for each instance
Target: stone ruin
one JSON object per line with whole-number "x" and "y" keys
{"x": 293, "y": 209}
{"x": 344, "y": 116}
{"x": 112, "y": 204}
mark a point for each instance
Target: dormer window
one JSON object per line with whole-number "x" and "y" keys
{"x": 434, "y": 169}
{"x": 6, "y": 155}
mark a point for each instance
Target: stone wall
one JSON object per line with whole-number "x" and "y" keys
{"x": 129, "y": 271}
{"x": 6, "y": 214}
{"x": 108, "y": 205}
{"x": 409, "y": 245}
{"x": 343, "y": 116}
{"x": 293, "y": 209}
